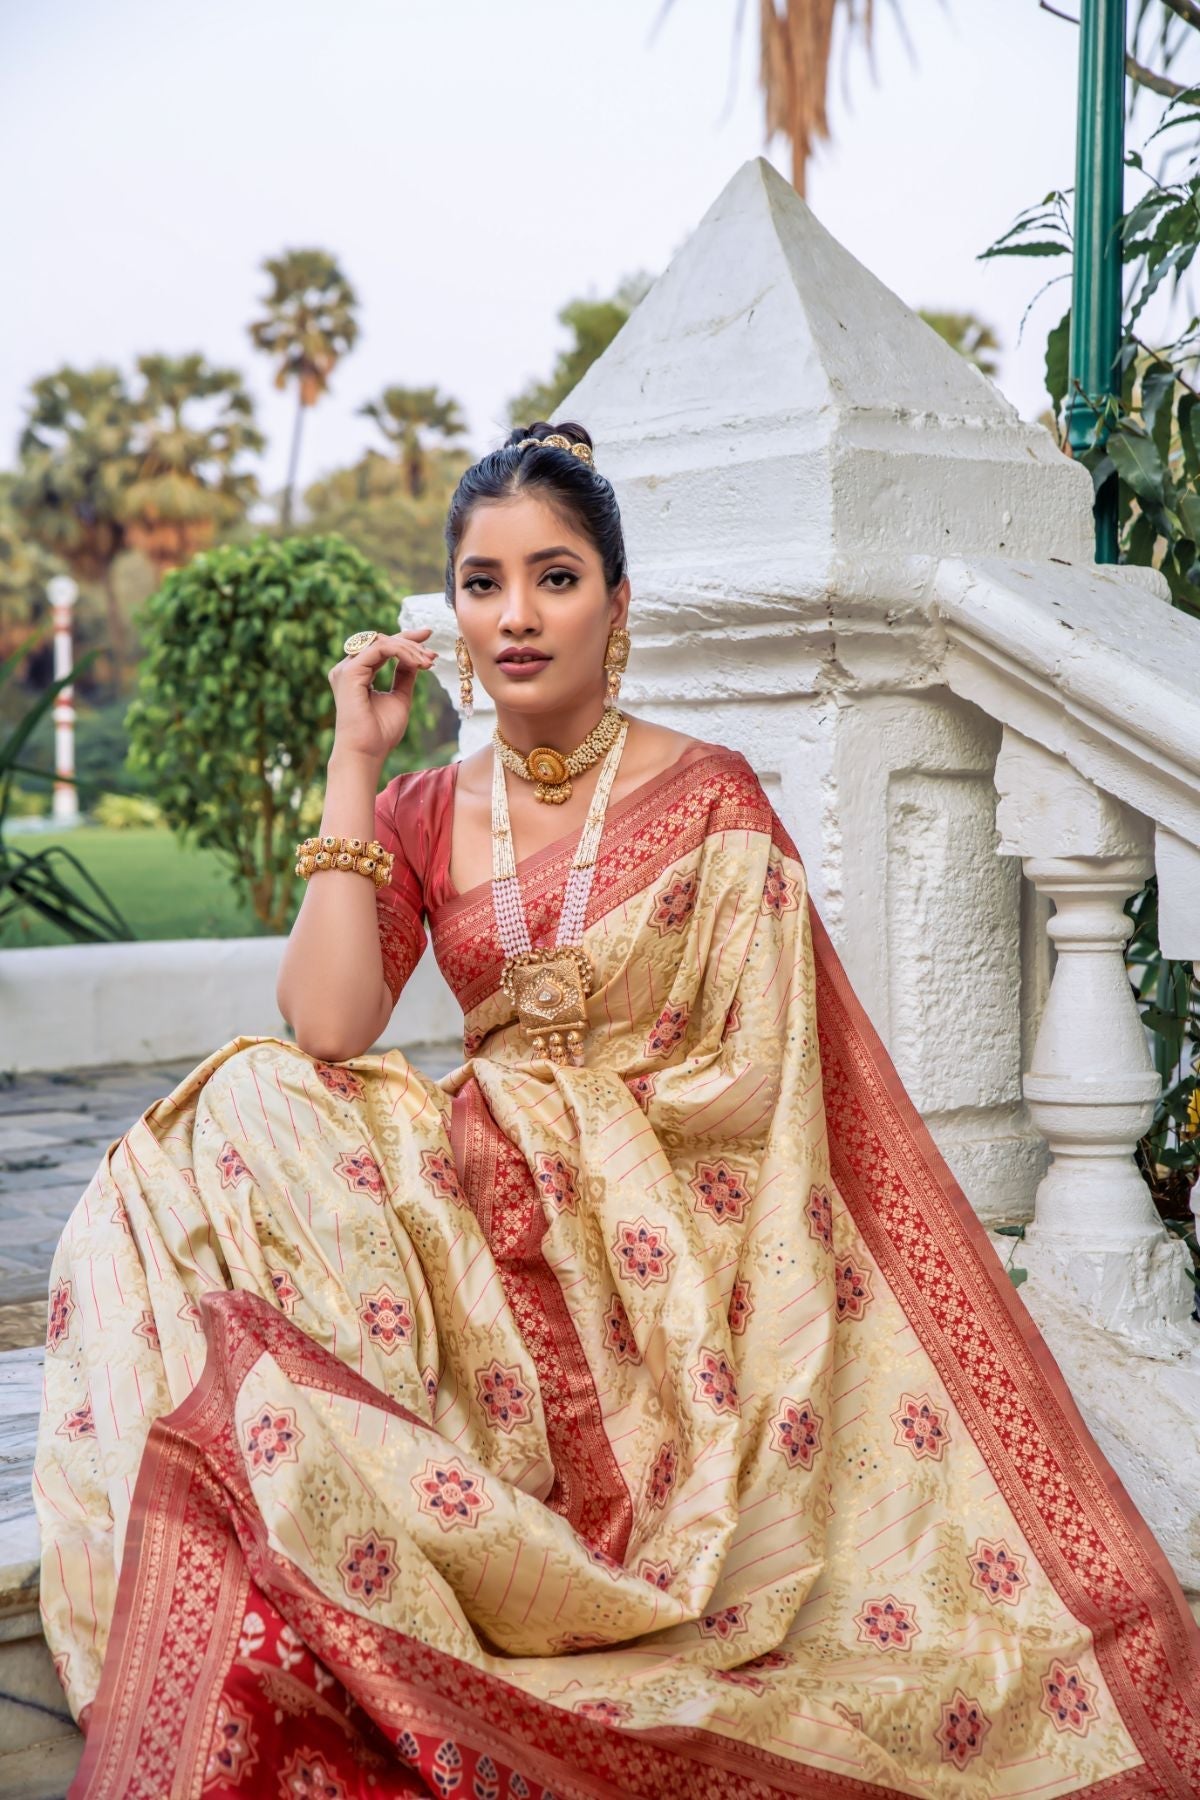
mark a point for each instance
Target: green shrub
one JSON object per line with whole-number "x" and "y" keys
{"x": 126, "y": 812}
{"x": 233, "y": 720}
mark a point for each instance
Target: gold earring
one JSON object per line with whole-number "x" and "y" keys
{"x": 616, "y": 655}
{"x": 466, "y": 694}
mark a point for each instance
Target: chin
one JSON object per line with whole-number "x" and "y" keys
{"x": 532, "y": 697}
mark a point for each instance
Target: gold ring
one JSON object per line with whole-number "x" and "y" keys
{"x": 357, "y": 641}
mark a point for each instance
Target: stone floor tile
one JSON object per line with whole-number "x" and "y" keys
{"x": 30, "y": 1201}
{"x": 15, "y": 1138}
{"x": 59, "y": 1121}
{"x": 80, "y": 1166}
{"x": 18, "y": 1284}
{"x": 23, "y": 1323}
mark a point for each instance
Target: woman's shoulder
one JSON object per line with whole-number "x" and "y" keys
{"x": 413, "y": 785}
{"x": 661, "y": 748}
{"x": 690, "y": 776}
{"x": 409, "y": 813}
{"x": 712, "y": 762}
{"x": 725, "y": 784}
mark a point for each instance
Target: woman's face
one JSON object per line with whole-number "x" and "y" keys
{"x": 526, "y": 581}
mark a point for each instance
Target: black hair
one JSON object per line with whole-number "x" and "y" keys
{"x": 581, "y": 496}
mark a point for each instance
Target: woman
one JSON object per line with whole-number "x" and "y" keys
{"x": 640, "y": 1410}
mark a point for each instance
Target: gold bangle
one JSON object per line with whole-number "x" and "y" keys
{"x": 348, "y": 853}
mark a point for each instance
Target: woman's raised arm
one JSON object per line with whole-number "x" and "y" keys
{"x": 331, "y": 986}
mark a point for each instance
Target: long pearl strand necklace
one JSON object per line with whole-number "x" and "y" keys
{"x": 548, "y": 987}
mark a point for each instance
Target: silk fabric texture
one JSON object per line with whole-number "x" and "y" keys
{"x": 662, "y": 1426}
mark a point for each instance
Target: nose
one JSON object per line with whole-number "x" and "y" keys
{"x": 519, "y": 615}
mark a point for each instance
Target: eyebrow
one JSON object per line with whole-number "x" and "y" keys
{"x": 493, "y": 562}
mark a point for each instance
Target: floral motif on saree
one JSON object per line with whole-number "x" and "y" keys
{"x": 661, "y": 1427}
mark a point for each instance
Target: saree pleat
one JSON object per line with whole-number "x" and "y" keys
{"x": 661, "y": 1427}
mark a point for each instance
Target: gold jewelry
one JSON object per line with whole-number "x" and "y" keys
{"x": 549, "y": 769}
{"x": 358, "y": 640}
{"x": 616, "y": 655}
{"x": 562, "y": 442}
{"x": 316, "y": 853}
{"x": 466, "y": 693}
{"x": 549, "y": 987}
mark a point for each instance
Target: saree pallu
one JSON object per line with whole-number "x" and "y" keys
{"x": 665, "y": 1426}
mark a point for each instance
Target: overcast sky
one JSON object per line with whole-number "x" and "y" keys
{"x": 474, "y": 166}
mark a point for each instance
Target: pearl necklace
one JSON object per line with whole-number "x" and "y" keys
{"x": 548, "y": 988}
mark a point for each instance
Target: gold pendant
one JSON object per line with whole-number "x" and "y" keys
{"x": 548, "y": 988}
{"x": 548, "y": 768}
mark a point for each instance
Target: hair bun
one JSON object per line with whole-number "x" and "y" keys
{"x": 541, "y": 428}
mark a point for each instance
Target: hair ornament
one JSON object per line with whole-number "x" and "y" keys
{"x": 562, "y": 442}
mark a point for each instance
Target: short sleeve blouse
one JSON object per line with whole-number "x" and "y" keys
{"x": 409, "y": 816}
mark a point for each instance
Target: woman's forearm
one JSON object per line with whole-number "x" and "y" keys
{"x": 331, "y": 988}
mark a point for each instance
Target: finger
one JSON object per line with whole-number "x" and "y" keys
{"x": 384, "y": 647}
{"x": 403, "y": 679}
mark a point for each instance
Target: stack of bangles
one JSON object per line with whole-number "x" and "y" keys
{"x": 344, "y": 853}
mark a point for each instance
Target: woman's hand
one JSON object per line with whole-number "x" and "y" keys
{"x": 370, "y": 723}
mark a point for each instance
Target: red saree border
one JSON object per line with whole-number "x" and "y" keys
{"x": 160, "y": 1685}
{"x": 1000, "y": 1373}
{"x": 192, "y": 1472}
{"x": 589, "y": 1489}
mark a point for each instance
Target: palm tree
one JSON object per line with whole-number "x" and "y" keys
{"x": 793, "y": 64}
{"x": 25, "y": 568}
{"x": 402, "y": 414}
{"x": 188, "y": 479}
{"x": 795, "y": 45}
{"x": 309, "y": 326}
{"x": 76, "y": 458}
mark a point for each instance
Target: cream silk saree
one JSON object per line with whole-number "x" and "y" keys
{"x": 664, "y": 1427}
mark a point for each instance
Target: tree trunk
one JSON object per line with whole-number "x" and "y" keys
{"x": 293, "y": 465}
{"x": 118, "y": 635}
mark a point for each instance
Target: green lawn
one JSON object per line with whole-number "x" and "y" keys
{"x": 162, "y": 889}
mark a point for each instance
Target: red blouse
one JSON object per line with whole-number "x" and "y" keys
{"x": 412, "y": 818}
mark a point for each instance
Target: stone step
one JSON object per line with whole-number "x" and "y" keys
{"x": 40, "y": 1746}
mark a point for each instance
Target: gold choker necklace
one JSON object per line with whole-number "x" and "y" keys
{"x": 549, "y": 769}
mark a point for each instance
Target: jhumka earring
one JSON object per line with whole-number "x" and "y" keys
{"x": 466, "y": 694}
{"x": 616, "y": 655}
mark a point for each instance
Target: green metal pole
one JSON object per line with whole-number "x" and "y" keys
{"x": 1099, "y": 203}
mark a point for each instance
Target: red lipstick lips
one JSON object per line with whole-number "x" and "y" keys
{"x": 521, "y": 663}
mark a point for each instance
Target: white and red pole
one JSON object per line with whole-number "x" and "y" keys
{"x": 63, "y": 594}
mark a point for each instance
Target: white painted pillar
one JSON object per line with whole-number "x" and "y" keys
{"x": 63, "y": 594}
{"x": 1091, "y": 1087}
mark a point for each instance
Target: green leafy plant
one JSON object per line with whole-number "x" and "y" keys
{"x": 234, "y": 715}
{"x": 31, "y": 879}
{"x": 1147, "y": 438}
{"x": 1169, "y": 995}
{"x": 1148, "y": 434}
{"x": 1016, "y": 1276}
